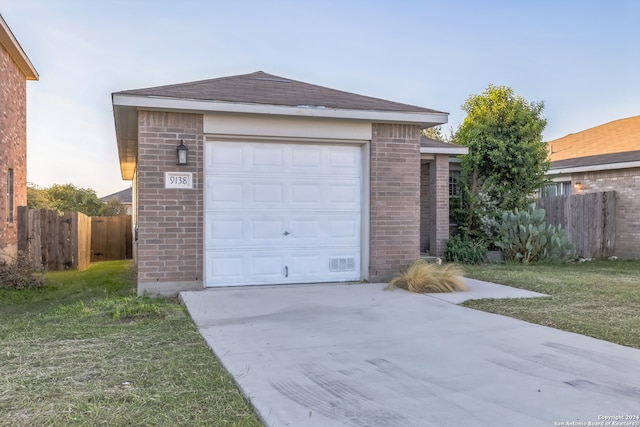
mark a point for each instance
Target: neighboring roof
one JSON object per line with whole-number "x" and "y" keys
{"x": 433, "y": 146}
{"x": 124, "y": 196}
{"x": 256, "y": 93}
{"x": 630, "y": 159}
{"x": 619, "y": 136}
{"x": 263, "y": 88}
{"x": 9, "y": 42}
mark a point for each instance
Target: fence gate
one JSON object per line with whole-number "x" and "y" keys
{"x": 111, "y": 238}
{"x": 589, "y": 220}
{"x": 54, "y": 241}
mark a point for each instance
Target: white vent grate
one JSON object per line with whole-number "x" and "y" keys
{"x": 342, "y": 264}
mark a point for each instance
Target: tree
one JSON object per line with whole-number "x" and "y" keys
{"x": 433, "y": 133}
{"x": 65, "y": 198}
{"x": 113, "y": 207}
{"x": 507, "y": 158}
{"x": 37, "y": 197}
{"x": 436, "y": 133}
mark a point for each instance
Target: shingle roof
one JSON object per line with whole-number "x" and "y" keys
{"x": 263, "y": 88}
{"x": 602, "y": 159}
{"x": 124, "y": 196}
{"x": 619, "y": 136}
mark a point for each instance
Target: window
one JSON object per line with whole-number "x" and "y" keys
{"x": 556, "y": 189}
{"x": 454, "y": 188}
{"x": 10, "y": 195}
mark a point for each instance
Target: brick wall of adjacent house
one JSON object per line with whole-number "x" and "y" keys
{"x": 169, "y": 221}
{"x": 13, "y": 147}
{"x": 394, "y": 198}
{"x": 626, "y": 184}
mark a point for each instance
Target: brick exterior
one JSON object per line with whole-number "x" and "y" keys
{"x": 169, "y": 221}
{"x": 13, "y": 147}
{"x": 439, "y": 205}
{"x": 394, "y": 199}
{"x": 425, "y": 227}
{"x": 626, "y": 184}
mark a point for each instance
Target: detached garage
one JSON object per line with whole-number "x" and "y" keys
{"x": 279, "y": 182}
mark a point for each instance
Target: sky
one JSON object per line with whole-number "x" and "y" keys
{"x": 581, "y": 58}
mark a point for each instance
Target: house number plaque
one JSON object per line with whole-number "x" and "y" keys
{"x": 178, "y": 180}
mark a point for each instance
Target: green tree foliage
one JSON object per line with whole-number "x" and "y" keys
{"x": 113, "y": 207}
{"x": 65, "y": 198}
{"x": 37, "y": 197}
{"x": 436, "y": 133}
{"x": 507, "y": 158}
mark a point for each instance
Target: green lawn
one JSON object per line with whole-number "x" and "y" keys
{"x": 600, "y": 299}
{"x": 85, "y": 351}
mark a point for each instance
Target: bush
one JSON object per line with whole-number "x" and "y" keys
{"x": 464, "y": 250}
{"x": 422, "y": 276}
{"x": 19, "y": 274}
{"x": 526, "y": 237}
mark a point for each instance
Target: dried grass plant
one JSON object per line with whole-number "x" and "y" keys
{"x": 425, "y": 277}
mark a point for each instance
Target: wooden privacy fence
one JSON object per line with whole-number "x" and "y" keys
{"x": 54, "y": 241}
{"x": 71, "y": 240}
{"x": 589, "y": 220}
{"x": 110, "y": 238}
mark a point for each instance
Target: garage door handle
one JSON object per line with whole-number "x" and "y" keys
{"x": 286, "y": 272}
{"x": 286, "y": 233}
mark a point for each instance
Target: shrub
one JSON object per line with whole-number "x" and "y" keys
{"x": 19, "y": 274}
{"x": 526, "y": 237}
{"x": 422, "y": 276}
{"x": 464, "y": 250}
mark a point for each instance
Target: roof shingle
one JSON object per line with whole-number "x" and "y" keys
{"x": 619, "y": 136}
{"x": 263, "y": 88}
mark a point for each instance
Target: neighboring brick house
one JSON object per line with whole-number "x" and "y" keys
{"x": 284, "y": 182}
{"x": 15, "y": 70}
{"x": 603, "y": 158}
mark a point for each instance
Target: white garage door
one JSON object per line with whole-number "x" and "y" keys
{"x": 281, "y": 213}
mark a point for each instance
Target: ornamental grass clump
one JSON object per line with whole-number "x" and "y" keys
{"x": 425, "y": 277}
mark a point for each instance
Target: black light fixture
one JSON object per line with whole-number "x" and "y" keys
{"x": 182, "y": 153}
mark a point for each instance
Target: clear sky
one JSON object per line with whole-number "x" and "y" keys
{"x": 581, "y": 58}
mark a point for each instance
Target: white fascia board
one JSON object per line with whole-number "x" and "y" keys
{"x": 422, "y": 119}
{"x": 593, "y": 168}
{"x": 454, "y": 151}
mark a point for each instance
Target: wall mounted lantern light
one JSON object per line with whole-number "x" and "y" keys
{"x": 182, "y": 153}
{"x": 578, "y": 186}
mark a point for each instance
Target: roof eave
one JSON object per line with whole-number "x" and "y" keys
{"x": 424, "y": 119}
{"x": 8, "y": 40}
{"x": 125, "y": 109}
{"x": 592, "y": 168}
{"x": 456, "y": 150}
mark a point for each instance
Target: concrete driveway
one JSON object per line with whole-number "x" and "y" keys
{"x": 355, "y": 355}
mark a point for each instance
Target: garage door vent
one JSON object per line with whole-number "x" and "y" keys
{"x": 342, "y": 264}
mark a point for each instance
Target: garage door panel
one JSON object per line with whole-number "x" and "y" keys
{"x": 295, "y": 231}
{"x": 245, "y": 194}
{"x": 282, "y": 213}
{"x": 268, "y": 268}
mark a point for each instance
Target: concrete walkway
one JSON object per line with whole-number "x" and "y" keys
{"x": 355, "y": 355}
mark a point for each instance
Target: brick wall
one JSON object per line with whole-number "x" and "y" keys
{"x": 394, "y": 198}
{"x": 170, "y": 228}
{"x": 439, "y": 204}
{"x": 626, "y": 184}
{"x": 425, "y": 227}
{"x": 13, "y": 147}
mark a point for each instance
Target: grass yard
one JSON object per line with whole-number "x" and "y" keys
{"x": 600, "y": 299}
{"x": 85, "y": 350}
